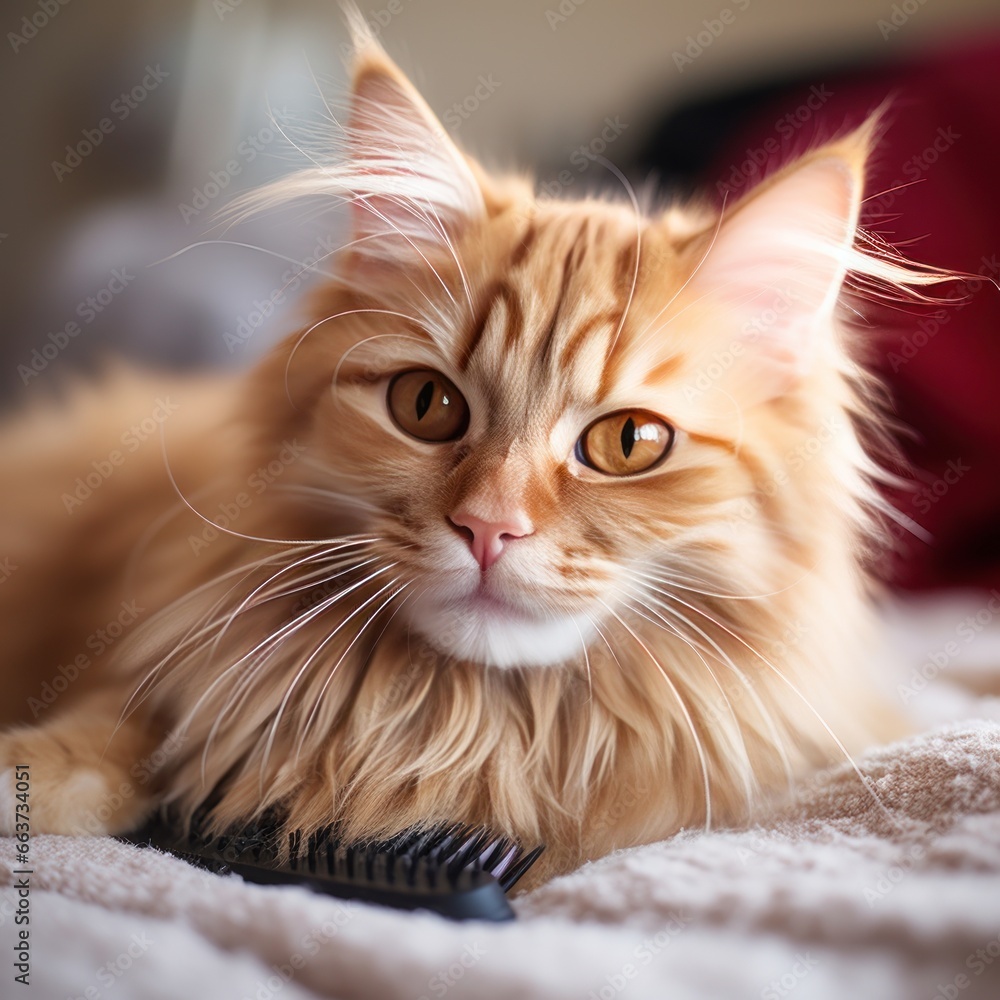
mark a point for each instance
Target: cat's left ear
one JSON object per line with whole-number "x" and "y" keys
{"x": 409, "y": 185}
{"x": 771, "y": 273}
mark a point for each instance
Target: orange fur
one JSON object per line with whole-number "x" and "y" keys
{"x": 721, "y": 598}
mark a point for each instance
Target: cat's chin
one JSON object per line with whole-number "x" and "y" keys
{"x": 495, "y": 635}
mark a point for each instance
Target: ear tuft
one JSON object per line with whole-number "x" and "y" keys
{"x": 409, "y": 181}
{"x": 409, "y": 187}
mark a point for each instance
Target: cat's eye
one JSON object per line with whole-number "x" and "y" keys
{"x": 625, "y": 443}
{"x": 427, "y": 405}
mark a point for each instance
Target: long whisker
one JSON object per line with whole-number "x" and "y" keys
{"x": 728, "y": 661}
{"x": 273, "y": 641}
{"x": 586, "y": 660}
{"x": 330, "y": 319}
{"x": 218, "y": 527}
{"x": 319, "y": 697}
{"x": 699, "y": 749}
{"x": 322, "y": 575}
{"x": 607, "y": 164}
{"x": 246, "y": 569}
{"x": 200, "y": 629}
{"x": 235, "y": 243}
{"x": 684, "y": 581}
{"x": 715, "y": 235}
{"x": 698, "y": 649}
{"x": 805, "y": 701}
{"x": 305, "y": 668}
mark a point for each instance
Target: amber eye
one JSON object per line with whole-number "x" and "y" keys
{"x": 624, "y": 443}
{"x": 427, "y": 405}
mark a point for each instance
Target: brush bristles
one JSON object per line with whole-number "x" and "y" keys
{"x": 455, "y": 856}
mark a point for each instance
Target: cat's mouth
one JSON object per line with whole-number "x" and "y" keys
{"x": 491, "y": 629}
{"x": 486, "y": 602}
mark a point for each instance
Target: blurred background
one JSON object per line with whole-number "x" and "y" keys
{"x": 129, "y": 125}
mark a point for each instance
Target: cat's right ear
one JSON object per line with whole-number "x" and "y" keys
{"x": 409, "y": 186}
{"x": 409, "y": 190}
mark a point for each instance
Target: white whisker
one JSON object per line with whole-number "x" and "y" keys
{"x": 305, "y": 668}
{"x": 805, "y": 701}
{"x": 699, "y": 749}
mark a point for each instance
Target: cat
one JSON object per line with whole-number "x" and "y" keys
{"x": 557, "y": 518}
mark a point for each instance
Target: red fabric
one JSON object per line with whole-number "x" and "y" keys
{"x": 943, "y": 364}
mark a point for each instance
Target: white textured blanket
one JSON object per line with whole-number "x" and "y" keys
{"x": 835, "y": 898}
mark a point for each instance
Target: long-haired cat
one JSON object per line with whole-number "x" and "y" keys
{"x": 554, "y": 519}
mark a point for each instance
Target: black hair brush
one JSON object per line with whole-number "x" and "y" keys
{"x": 458, "y": 871}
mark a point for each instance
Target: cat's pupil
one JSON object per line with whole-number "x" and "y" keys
{"x": 628, "y": 437}
{"x": 424, "y": 398}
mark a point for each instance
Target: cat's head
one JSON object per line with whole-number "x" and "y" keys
{"x": 543, "y": 409}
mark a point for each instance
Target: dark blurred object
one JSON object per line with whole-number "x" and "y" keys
{"x": 933, "y": 193}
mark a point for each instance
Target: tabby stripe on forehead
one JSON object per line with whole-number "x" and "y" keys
{"x": 548, "y": 338}
{"x": 579, "y": 338}
{"x": 625, "y": 267}
{"x": 500, "y": 293}
{"x": 521, "y": 250}
{"x": 625, "y": 264}
{"x": 515, "y": 315}
{"x": 479, "y": 325}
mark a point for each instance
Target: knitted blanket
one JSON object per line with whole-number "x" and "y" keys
{"x": 884, "y": 888}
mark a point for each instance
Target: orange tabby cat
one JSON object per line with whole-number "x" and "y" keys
{"x": 554, "y": 520}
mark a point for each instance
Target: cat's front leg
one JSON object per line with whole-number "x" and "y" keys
{"x": 85, "y": 771}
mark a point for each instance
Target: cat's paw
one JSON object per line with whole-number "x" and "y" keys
{"x": 64, "y": 793}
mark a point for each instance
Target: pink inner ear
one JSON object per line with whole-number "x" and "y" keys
{"x": 410, "y": 183}
{"x": 772, "y": 276}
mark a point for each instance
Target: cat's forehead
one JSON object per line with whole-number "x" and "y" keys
{"x": 557, "y": 310}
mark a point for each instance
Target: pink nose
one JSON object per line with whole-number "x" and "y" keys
{"x": 488, "y": 538}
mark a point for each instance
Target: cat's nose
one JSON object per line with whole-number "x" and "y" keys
{"x": 487, "y": 539}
